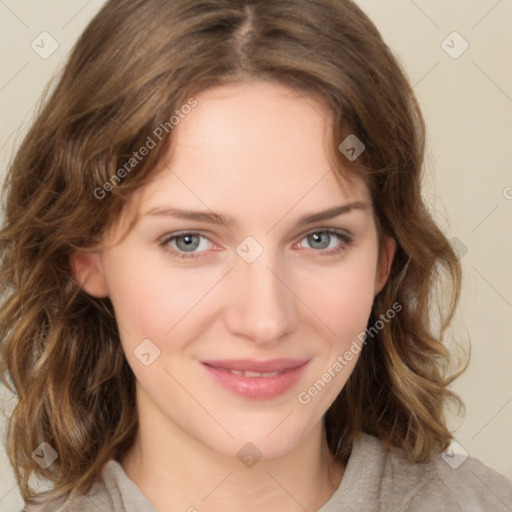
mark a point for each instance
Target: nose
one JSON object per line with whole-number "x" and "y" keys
{"x": 262, "y": 307}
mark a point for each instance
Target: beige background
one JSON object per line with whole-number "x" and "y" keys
{"x": 467, "y": 103}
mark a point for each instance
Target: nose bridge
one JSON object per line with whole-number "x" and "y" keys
{"x": 261, "y": 307}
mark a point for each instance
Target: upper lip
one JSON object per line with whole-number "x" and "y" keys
{"x": 273, "y": 365}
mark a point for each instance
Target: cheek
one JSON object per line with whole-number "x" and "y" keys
{"x": 149, "y": 298}
{"x": 342, "y": 300}
{"x": 342, "y": 297}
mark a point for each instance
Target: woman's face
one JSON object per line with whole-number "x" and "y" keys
{"x": 248, "y": 274}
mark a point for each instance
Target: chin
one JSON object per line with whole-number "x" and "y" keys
{"x": 270, "y": 439}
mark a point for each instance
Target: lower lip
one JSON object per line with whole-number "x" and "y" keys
{"x": 258, "y": 388}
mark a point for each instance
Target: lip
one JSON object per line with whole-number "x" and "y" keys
{"x": 254, "y": 387}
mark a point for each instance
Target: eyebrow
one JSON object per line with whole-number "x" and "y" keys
{"x": 215, "y": 218}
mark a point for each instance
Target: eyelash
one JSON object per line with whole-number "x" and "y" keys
{"x": 345, "y": 239}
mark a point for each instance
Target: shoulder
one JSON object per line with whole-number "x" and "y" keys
{"x": 435, "y": 485}
{"x": 114, "y": 492}
{"x": 98, "y": 498}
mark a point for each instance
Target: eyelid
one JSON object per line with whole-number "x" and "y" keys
{"x": 327, "y": 229}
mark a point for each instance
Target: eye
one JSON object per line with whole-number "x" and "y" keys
{"x": 187, "y": 244}
{"x": 326, "y": 241}
{"x": 192, "y": 244}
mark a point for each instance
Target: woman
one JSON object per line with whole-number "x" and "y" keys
{"x": 218, "y": 272}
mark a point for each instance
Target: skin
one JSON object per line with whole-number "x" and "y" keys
{"x": 256, "y": 152}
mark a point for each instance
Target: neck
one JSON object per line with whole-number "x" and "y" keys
{"x": 176, "y": 472}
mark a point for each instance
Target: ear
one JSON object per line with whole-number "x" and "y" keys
{"x": 384, "y": 263}
{"x": 89, "y": 274}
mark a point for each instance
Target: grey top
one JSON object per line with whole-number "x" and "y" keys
{"x": 374, "y": 480}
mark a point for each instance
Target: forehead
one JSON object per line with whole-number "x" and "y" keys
{"x": 264, "y": 119}
{"x": 255, "y": 150}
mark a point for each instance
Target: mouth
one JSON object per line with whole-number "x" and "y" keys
{"x": 248, "y": 373}
{"x": 257, "y": 379}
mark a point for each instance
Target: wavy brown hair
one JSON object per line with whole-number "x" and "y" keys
{"x": 136, "y": 63}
